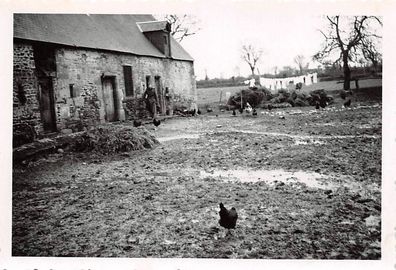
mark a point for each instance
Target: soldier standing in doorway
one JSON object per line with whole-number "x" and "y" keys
{"x": 151, "y": 100}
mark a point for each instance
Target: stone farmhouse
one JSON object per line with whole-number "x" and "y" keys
{"x": 72, "y": 71}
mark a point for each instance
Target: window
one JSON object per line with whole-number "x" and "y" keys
{"x": 21, "y": 94}
{"x": 165, "y": 40}
{"x": 72, "y": 91}
{"x": 128, "y": 80}
{"x": 148, "y": 81}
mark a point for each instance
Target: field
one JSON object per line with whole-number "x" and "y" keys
{"x": 212, "y": 95}
{"x": 306, "y": 184}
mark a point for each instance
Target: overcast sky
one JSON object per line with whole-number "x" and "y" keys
{"x": 217, "y": 46}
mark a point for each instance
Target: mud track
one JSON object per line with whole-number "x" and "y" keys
{"x": 305, "y": 183}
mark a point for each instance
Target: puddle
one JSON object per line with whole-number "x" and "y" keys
{"x": 367, "y": 126}
{"x": 271, "y": 177}
{"x": 311, "y": 179}
{"x": 296, "y": 112}
{"x": 305, "y": 142}
{"x": 178, "y": 137}
{"x": 299, "y": 139}
{"x": 330, "y": 124}
{"x": 306, "y": 137}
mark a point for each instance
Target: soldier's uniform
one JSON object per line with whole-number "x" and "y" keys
{"x": 151, "y": 101}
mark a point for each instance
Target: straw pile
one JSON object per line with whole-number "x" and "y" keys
{"x": 111, "y": 139}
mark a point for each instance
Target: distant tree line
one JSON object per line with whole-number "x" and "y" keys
{"x": 331, "y": 71}
{"x": 217, "y": 82}
{"x": 327, "y": 72}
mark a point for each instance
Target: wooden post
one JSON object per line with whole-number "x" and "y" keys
{"x": 241, "y": 99}
{"x": 164, "y": 100}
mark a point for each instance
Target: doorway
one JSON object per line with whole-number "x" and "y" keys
{"x": 47, "y": 108}
{"x": 148, "y": 81}
{"x": 44, "y": 60}
{"x": 110, "y": 98}
{"x": 160, "y": 94}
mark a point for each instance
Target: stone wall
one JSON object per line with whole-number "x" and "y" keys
{"x": 26, "y": 111}
{"x": 84, "y": 70}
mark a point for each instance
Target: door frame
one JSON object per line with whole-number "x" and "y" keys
{"x": 52, "y": 125}
{"x": 160, "y": 93}
{"x": 112, "y": 78}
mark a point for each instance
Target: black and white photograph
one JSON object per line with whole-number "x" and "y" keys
{"x": 246, "y": 131}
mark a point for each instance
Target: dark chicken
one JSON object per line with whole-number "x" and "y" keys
{"x": 156, "y": 122}
{"x": 347, "y": 103}
{"x": 137, "y": 123}
{"x": 228, "y": 218}
{"x": 190, "y": 112}
{"x": 323, "y": 103}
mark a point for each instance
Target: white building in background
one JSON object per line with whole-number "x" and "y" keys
{"x": 251, "y": 82}
{"x": 274, "y": 84}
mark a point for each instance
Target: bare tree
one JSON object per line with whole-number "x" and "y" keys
{"x": 371, "y": 53}
{"x": 346, "y": 35}
{"x": 251, "y": 55}
{"x": 300, "y": 61}
{"x": 182, "y": 26}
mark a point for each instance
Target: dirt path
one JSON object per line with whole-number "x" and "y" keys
{"x": 306, "y": 186}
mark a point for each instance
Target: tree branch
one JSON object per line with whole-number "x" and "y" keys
{"x": 182, "y": 26}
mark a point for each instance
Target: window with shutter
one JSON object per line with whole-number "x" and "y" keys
{"x": 128, "y": 80}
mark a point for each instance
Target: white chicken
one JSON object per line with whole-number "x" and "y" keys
{"x": 248, "y": 108}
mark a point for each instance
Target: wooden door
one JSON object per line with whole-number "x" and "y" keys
{"x": 160, "y": 94}
{"x": 108, "y": 98}
{"x": 47, "y": 108}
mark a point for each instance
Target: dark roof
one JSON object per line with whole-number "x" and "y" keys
{"x": 99, "y": 31}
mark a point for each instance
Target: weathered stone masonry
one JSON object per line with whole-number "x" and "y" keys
{"x": 83, "y": 70}
{"x": 25, "y": 93}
